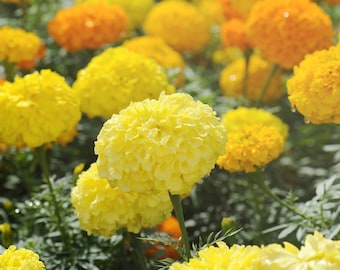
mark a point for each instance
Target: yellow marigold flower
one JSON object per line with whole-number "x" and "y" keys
{"x": 235, "y": 119}
{"x": 179, "y": 24}
{"x": 314, "y": 89}
{"x": 233, "y": 34}
{"x": 232, "y": 80}
{"x": 156, "y": 48}
{"x": 37, "y": 109}
{"x": 115, "y": 78}
{"x": 20, "y": 259}
{"x": 88, "y": 26}
{"x": 136, "y": 10}
{"x": 160, "y": 145}
{"x": 251, "y": 147}
{"x": 236, "y": 257}
{"x": 317, "y": 253}
{"x": 18, "y": 45}
{"x": 103, "y": 210}
{"x": 286, "y": 30}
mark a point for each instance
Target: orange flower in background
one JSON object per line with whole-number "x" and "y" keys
{"x": 233, "y": 34}
{"x": 88, "y": 26}
{"x": 236, "y": 9}
{"x": 180, "y": 24}
{"x": 228, "y": 11}
{"x": 286, "y": 30}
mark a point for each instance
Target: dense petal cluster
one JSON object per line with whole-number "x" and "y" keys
{"x": 20, "y": 259}
{"x": 314, "y": 89}
{"x": 232, "y": 80}
{"x": 286, "y": 30}
{"x": 18, "y": 45}
{"x": 223, "y": 257}
{"x": 88, "y": 26}
{"x": 252, "y": 147}
{"x": 117, "y": 77}
{"x": 167, "y": 144}
{"x": 233, "y": 34}
{"x": 102, "y": 209}
{"x": 179, "y": 24}
{"x": 37, "y": 109}
{"x": 136, "y": 10}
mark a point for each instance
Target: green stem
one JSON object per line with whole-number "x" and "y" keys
{"x": 42, "y": 160}
{"x": 247, "y": 55}
{"x": 9, "y": 70}
{"x": 258, "y": 179}
{"x": 138, "y": 251}
{"x": 177, "y": 204}
{"x": 266, "y": 84}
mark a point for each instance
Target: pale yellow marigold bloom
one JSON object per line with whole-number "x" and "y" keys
{"x": 314, "y": 88}
{"x": 20, "y": 259}
{"x": 18, "y": 45}
{"x": 37, "y": 109}
{"x": 316, "y": 254}
{"x": 232, "y": 80}
{"x": 235, "y": 119}
{"x": 286, "y": 30}
{"x": 236, "y": 257}
{"x": 160, "y": 145}
{"x": 251, "y": 147}
{"x": 102, "y": 209}
{"x": 117, "y": 77}
{"x": 179, "y": 24}
{"x": 135, "y": 9}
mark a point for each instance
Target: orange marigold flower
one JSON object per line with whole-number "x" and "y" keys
{"x": 179, "y": 24}
{"x": 286, "y": 30}
{"x": 88, "y": 26}
{"x": 228, "y": 11}
{"x": 233, "y": 34}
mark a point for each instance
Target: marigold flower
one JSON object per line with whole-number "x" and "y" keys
{"x": 236, "y": 257}
{"x": 212, "y": 10}
{"x": 314, "y": 89}
{"x": 18, "y": 45}
{"x": 88, "y": 26}
{"x": 229, "y": 12}
{"x": 37, "y": 109}
{"x": 179, "y": 24}
{"x": 116, "y": 77}
{"x": 286, "y": 30}
{"x": 233, "y": 34}
{"x": 103, "y": 210}
{"x": 20, "y": 259}
{"x": 232, "y": 80}
{"x": 160, "y": 145}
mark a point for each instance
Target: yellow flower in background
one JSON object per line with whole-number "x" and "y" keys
{"x": 179, "y": 24}
{"x": 232, "y": 80}
{"x": 314, "y": 88}
{"x": 211, "y": 9}
{"x": 156, "y": 48}
{"x": 88, "y": 26}
{"x": 233, "y": 34}
{"x": 136, "y": 10}
{"x": 18, "y": 45}
{"x": 117, "y": 77}
{"x": 20, "y": 259}
{"x": 102, "y": 209}
{"x": 37, "y": 109}
{"x": 251, "y": 147}
{"x": 286, "y": 30}
{"x": 160, "y": 145}
{"x": 221, "y": 257}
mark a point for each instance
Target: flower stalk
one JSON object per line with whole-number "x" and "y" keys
{"x": 265, "y": 86}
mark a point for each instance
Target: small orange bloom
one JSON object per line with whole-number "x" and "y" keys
{"x": 233, "y": 34}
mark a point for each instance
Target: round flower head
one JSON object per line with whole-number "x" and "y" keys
{"x": 136, "y": 10}
{"x": 18, "y": 45}
{"x": 233, "y": 34}
{"x": 179, "y": 24}
{"x": 251, "y": 147}
{"x": 103, "y": 210}
{"x": 286, "y": 30}
{"x": 88, "y": 26}
{"x": 20, "y": 259}
{"x": 160, "y": 145}
{"x": 232, "y": 80}
{"x": 314, "y": 89}
{"x": 221, "y": 257}
{"x": 37, "y": 109}
{"x": 116, "y": 77}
